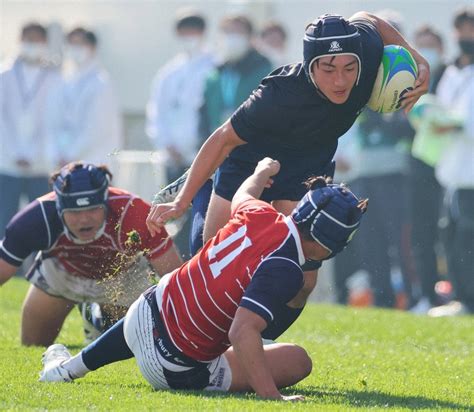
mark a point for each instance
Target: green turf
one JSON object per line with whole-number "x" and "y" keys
{"x": 362, "y": 359}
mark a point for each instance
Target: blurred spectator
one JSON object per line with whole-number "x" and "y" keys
{"x": 177, "y": 95}
{"x": 236, "y": 77}
{"x": 272, "y": 43}
{"x": 455, "y": 170}
{"x": 175, "y": 101}
{"x": 87, "y": 123}
{"x": 425, "y": 190}
{"x": 26, "y": 88}
{"x": 381, "y": 163}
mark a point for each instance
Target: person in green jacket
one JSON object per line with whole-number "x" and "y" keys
{"x": 236, "y": 77}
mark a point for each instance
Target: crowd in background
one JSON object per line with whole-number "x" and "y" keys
{"x": 415, "y": 249}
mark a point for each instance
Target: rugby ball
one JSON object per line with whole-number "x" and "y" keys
{"x": 396, "y": 76}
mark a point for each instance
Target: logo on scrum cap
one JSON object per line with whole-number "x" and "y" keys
{"x": 83, "y": 201}
{"x": 335, "y": 47}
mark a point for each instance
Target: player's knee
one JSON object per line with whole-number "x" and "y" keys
{"x": 303, "y": 361}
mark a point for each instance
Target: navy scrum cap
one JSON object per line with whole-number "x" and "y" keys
{"x": 330, "y": 35}
{"x": 82, "y": 186}
{"x": 331, "y": 215}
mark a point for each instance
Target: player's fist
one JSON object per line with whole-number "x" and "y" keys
{"x": 268, "y": 166}
{"x": 162, "y": 213}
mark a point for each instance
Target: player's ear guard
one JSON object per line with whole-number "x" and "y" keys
{"x": 330, "y": 35}
{"x": 80, "y": 186}
{"x": 330, "y": 214}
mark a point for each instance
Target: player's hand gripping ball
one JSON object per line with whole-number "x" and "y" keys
{"x": 396, "y": 76}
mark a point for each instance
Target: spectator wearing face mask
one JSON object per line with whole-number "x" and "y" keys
{"x": 272, "y": 43}
{"x": 455, "y": 169}
{"x": 177, "y": 93}
{"x": 425, "y": 191}
{"x": 176, "y": 98}
{"x": 87, "y": 122}
{"x": 25, "y": 92}
{"x": 239, "y": 73}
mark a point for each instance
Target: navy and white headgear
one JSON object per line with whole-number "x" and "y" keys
{"x": 330, "y": 214}
{"x": 80, "y": 186}
{"x": 330, "y": 35}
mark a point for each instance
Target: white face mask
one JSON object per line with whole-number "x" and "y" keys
{"x": 32, "y": 52}
{"x": 190, "y": 44}
{"x": 276, "y": 56}
{"x": 234, "y": 46}
{"x": 79, "y": 54}
{"x": 432, "y": 56}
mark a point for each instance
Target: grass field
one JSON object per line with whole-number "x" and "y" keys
{"x": 362, "y": 359}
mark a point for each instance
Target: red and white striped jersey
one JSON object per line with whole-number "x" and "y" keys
{"x": 201, "y": 297}
{"x": 39, "y": 228}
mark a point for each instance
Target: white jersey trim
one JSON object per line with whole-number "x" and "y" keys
{"x": 46, "y": 223}
{"x": 10, "y": 254}
{"x": 259, "y": 305}
{"x": 296, "y": 235}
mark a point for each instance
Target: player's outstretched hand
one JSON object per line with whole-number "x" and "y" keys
{"x": 292, "y": 398}
{"x": 160, "y": 214}
{"x": 422, "y": 84}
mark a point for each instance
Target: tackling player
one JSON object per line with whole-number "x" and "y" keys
{"x": 295, "y": 116}
{"x": 90, "y": 238}
{"x": 241, "y": 281}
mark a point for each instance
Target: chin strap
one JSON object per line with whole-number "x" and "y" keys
{"x": 78, "y": 241}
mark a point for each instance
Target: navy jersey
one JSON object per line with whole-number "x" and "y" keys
{"x": 287, "y": 118}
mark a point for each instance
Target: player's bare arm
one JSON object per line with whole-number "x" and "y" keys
{"x": 246, "y": 339}
{"x": 166, "y": 262}
{"x": 390, "y": 35}
{"x": 6, "y": 271}
{"x": 253, "y": 187}
{"x": 213, "y": 152}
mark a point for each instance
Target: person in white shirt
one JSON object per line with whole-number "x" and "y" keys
{"x": 177, "y": 96}
{"x": 173, "y": 111}
{"x": 26, "y": 87}
{"x": 455, "y": 170}
{"x": 88, "y": 124}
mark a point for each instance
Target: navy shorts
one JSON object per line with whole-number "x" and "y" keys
{"x": 288, "y": 183}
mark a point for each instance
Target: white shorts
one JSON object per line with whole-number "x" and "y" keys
{"x": 122, "y": 290}
{"x": 138, "y": 332}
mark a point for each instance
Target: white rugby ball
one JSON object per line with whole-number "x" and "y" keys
{"x": 396, "y": 76}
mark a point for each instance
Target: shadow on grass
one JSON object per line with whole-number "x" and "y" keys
{"x": 355, "y": 398}
{"x": 366, "y": 398}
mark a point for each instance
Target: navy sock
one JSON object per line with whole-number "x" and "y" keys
{"x": 107, "y": 348}
{"x": 198, "y": 215}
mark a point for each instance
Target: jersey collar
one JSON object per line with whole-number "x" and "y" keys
{"x": 294, "y": 232}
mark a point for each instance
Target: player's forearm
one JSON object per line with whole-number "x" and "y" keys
{"x": 390, "y": 35}
{"x": 213, "y": 152}
{"x": 6, "y": 271}
{"x": 247, "y": 345}
{"x": 253, "y": 186}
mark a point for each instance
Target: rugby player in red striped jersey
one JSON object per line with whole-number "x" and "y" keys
{"x": 93, "y": 246}
{"x": 201, "y": 326}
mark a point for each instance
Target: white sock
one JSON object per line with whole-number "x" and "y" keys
{"x": 75, "y": 366}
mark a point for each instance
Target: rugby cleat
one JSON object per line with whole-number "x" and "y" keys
{"x": 169, "y": 193}
{"x": 52, "y": 361}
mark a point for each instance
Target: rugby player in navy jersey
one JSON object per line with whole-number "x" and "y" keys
{"x": 181, "y": 330}
{"x": 296, "y": 116}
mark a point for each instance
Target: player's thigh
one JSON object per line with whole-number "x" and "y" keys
{"x": 43, "y": 316}
{"x": 218, "y": 214}
{"x": 288, "y": 364}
